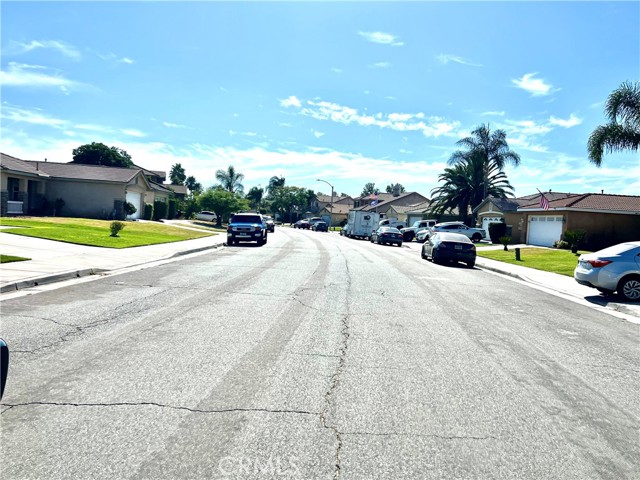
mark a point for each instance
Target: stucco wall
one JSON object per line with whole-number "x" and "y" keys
{"x": 86, "y": 199}
{"x": 605, "y": 227}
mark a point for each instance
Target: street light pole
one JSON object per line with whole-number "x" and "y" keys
{"x": 331, "y": 204}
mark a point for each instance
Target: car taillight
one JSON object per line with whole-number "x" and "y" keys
{"x": 258, "y": 228}
{"x": 599, "y": 263}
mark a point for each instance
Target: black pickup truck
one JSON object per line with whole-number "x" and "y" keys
{"x": 247, "y": 227}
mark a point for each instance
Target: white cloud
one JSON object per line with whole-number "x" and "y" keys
{"x": 493, "y": 113}
{"x": 19, "y": 48}
{"x": 133, "y": 132}
{"x": 34, "y": 76}
{"x": 572, "y": 121}
{"x": 126, "y": 60}
{"x": 529, "y": 127}
{"x": 318, "y": 134}
{"x": 33, "y": 117}
{"x": 173, "y": 125}
{"x": 292, "y": 101}
{"x": 336, "y": 70}
{"x": 380, "y": 65}
{"x": 381, "y": 37}
{"x": 416, "y": 122}
{"x": 446, "y": 58}
{"x": 537, "y": 87}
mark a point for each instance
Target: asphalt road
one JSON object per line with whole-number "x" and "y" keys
{"x": 316, "y": 357}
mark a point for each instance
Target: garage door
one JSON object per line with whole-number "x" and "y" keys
{"x": 544, "y": 230}
{"x": 487, "y": 220}
{"x": 134, "y": 198}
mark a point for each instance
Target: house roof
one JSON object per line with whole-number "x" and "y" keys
{"x": 179, "y": 189}
{"x": 338, "y": 208}
{"x": 385, "y": 199}
{"x": 593, "y": 201}
{"x": 74, "y": 171}
{"x": 512, "y": 204}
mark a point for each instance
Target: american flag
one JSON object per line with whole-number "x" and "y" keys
{"x": 544, "y": 203}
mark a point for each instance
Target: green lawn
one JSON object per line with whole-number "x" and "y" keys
{"x": 556, "y": 261}
{"x": 97, "y": 233}
{"x": 11, "y": 258}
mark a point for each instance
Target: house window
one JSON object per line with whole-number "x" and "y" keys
{"x": 13, "y": 186}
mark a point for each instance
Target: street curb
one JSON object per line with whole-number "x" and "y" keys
{"x": 59, "y": 277}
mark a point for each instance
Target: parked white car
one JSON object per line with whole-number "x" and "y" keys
{"x": 614, "y": 269}
{"x": 207, "y": 216}
{"x": 474, "y": 234}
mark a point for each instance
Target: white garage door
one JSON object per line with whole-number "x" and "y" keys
{"x": 487, "y": 220}
{"x": 544, "y": 230}
{"x": 134, "y": 198}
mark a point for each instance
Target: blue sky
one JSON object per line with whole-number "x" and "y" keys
{"x": 347, "y": 92}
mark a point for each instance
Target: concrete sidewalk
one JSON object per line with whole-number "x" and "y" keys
{"x": 57, "y": 261}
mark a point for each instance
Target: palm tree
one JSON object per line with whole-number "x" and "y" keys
{"x": 465, "y": 186}
{"x": 255, "y": 197}
{"x": 492, "y": 150}
{"x": 623, "y": 130}
{"x": 275, "y": 182}
{"x": 230, "y": 180}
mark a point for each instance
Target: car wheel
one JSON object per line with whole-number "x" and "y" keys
{"x": 629, "y": 288}
{"x": 471, "y": 264}
{"x": 434, "y": 256}
{"x": 399, "y": 244}
{"x": 476, "y": 237}
{"x": 422, "y": 254}
{"x": 230, "y": 241}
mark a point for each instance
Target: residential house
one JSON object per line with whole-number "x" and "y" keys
{"x": 30, "y": 187}
{"x": 387, "y": 204}
{"x": 607, "y": 219}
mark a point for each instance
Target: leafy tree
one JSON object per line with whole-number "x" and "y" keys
{"x": 254, "y": 196}
{"x": 287, "y": 200}
{"x": 368, "y": 189}
{"x": 223, "y": 202}
{"x": 487, "y": 150}
{"x": 177, "y": 174}
{"x": 623, "y": 130}
{"x": 230, "y": 180}
{"x": 100, "y": 154}
{"x": 391, "y": 187}
{"x": 195, "y": 188}
{"x": 464, "y": 186}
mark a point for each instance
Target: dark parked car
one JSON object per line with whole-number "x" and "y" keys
{"x": 320, "y": 227}
{"x": 446, "y": 247}
{"x": 387, "y": 235}
{"x": 304, "y": 223}
{"x": 268, "y": 221}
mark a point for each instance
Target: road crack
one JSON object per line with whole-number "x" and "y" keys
{"x": 159, "y": 405}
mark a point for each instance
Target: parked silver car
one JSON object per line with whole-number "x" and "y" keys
{"x": 614, "y": 269}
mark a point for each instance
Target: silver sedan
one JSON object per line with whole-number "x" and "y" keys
{"x": 614, "y": 269}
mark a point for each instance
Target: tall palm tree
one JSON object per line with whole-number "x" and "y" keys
{"x": 275, "y": 182}
{"x": 254, "y": 195}
{"x": 230, "y": 180}
{"x": 465, "y": 186}
{"x": 623, "y": 130}
{"x": 489, "y": 148}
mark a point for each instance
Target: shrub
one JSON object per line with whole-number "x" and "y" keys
{"x": 57, "y": 207}
{"x": 505, "y": 241}
{"x": 561, "y": 244}
{"x": 129, "y": 208}
{"x": 116, "y": 227}
{"x": 497, "y": 230}
{"x": 575, "y": 238}
{"x": 159, "y": 210}
{"x": 172, "y": 209}
{"x": 148, "y": 211}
